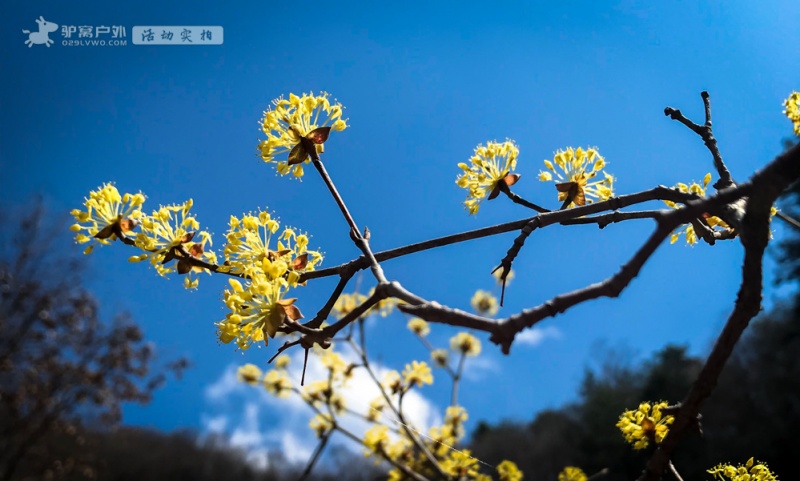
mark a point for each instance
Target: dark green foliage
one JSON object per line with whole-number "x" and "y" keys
{"x": 755, "y": 411}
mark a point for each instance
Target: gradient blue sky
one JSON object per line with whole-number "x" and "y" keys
{"x": 423, "y": 84}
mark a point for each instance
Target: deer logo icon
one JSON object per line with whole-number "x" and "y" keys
{"x": 42, "y": 36}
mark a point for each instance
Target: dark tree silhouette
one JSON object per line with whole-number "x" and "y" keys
{"x": 61, "y": 367}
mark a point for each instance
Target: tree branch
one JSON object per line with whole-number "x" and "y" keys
{"x": 705, "y": 132}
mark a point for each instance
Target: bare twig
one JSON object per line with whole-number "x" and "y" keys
{"x": 788, "y": 219}
{"x": 519, "y": 200}
{"x": 361, "y": 241}
{"x": 563, "y": 215}
{"x": 311, "y": 462}
{"x": 326, "y": 309}
{"x": 657, "y": 193}
{"x": 613, "y": 217}
{"x": 705, "y": 132}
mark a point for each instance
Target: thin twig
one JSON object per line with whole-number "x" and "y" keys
{"x": 675, "y": 471}
{"x": 361, "y": 241}
{"x": 456, "y": 379}
{"x": 397, "y": 412}
{"x": 788, "y": 219}
{"x": 326, "y": 309}
{"x": 519, "y": 200}
{"x": 560, "y": 216}
{"x": 603, "y": 220}
{"x": 311, "y": 462}
{"x": 656, "y": 193}
{"x": 706, "y": 133}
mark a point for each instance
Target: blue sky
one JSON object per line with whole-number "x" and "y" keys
{"x": 423, "y": 84}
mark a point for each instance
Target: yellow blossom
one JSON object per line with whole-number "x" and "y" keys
{"x": 419, "y": 327}
{"x": 321, "y": 424}
{"x": 375, "y": 439}
{"x": 573, "y": 170}
{"x": 249, "y": 373}
{"x": 715, "y": 223}
{"x": 751, "y": 471}
{"x": 455, "y": 417}
{"x": 441, "y": 438}
{"x": 346, "y": 303}
{"x": 384, "y": 307}
{"x": 440, "y": 357}
{"x": 402, "y": 448}
{"x": 172, "y": 233}
{"x": 257, "y": 311}
{"x": 571, "y": 473}
{"x": 307, "y": 116}
{"x": 392, "y": 381}
{"x": 418, "y": 373}
{"x": 251, "y": 249}
{"x": 489, "y": 165}
{"x": 106, "y": 212}
{"x": 376, "y": 408}
{"x": 278, "y": 383}
{"x": 317, "y": 391}
{"x": 498, "y": 276}
{"x": 460, "y": 463}
{"x": 792, "y": 112}
{"x": 282, "y": 362}
{"x": 333, "y": 362}
{"x": 645, "y": 425}
{"x": 484, "y": 303}
{"x": 465, "y": 343}
{"x": 508, "y": 471}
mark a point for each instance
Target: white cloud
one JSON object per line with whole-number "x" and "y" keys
{"x": 238, "y": 411}
{"x": 535, "y": 336}
{"x": 481, "y": 367}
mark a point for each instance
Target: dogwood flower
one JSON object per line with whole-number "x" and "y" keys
{"x": 489, "y": 165}
{"x": 573, "y": 170}
{"x": 295, "y": 124}
{"x": 645, "y": 425}
{"x": 792, "y": 112}
{"x": 107, "y": 212}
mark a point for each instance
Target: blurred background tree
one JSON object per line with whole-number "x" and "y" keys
{"x": 62, "y": 368}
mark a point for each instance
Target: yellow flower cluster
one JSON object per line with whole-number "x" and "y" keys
{"x": 751, "y": 471}
{"x": 259, "y": 308}
{"x": 713, "y": 222}
{"x": 792, "y": 104}
{"x": 498, "y": 276}
{"x": 645, "y": 425}
{"x": 489, "y": 165}
{"x": 688, "y": 230}
{"x": 572, "y": 170}
{"x": 418, "y": 373}
{"x": 307, "y": 116}
{"x": 375, "y": 439}
{"x": 249, "y": 374}
{"x": 170, "y": 233}
{"x": 508, "y": 471}
{"x": 571, "y": 473}
{"x": 466, "y": 344}
{"x": 419, "y": 327}
{"x": 276, "y": 381}
{"x": 321, "y": 424}
{"x": 484, "y": 303}
{"x": 347, "y": 302}
{"x": 107, "y": 212}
